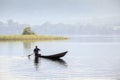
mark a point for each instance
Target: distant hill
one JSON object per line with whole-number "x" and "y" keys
{"x": 65, "y": 29}
{"x": 6, "y": 28}
{"x": 61, "y": 29}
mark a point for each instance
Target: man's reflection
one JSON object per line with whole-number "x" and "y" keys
{"x": 36, "y": 62}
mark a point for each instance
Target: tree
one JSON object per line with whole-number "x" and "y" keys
{"x": 27, "y": 31}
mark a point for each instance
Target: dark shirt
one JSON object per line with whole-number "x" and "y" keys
{"x": 36, "y": 50}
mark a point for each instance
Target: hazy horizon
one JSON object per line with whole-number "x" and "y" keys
{"x": 59, "y": 11}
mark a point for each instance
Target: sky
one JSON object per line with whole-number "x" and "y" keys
{"x": 58, "y": 11}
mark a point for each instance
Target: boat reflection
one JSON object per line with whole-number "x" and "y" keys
{"x": 59, "y": 61}
{"x": 37, "y": 61}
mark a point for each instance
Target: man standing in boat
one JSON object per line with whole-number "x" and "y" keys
{"x": 36, "y": 51}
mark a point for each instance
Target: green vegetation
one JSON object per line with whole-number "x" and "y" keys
{"x": 27, "y": 31}
{"x": 29, "y": 35}
{"x": 30, "y": 38}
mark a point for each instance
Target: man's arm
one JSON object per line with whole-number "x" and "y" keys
{"x": 39, "y": 49}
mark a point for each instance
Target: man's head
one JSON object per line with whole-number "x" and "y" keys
{"x": 36, "y": 46}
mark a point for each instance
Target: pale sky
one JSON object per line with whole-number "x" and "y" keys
{"x": 57, "y": 11}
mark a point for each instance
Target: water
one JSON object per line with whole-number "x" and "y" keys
{"x": 87, "y": 59}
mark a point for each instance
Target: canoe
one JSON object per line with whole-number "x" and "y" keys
{"x": 54, "y": 56}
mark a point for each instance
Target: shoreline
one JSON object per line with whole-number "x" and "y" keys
{"x": 31, "y": 38}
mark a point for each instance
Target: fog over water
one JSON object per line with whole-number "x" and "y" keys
{"x": 95, "y": 59}
{"x": 93, "y": 27}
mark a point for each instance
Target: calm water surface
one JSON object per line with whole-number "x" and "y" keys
{"x": 87, "y": 59}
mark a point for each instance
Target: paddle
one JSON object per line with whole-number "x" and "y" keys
{"x": 30, "y": 54}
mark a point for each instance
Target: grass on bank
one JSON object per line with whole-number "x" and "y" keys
{"x": 30, "y": 37}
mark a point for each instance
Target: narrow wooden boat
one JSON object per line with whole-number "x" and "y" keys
{"x": 54, "y": 56}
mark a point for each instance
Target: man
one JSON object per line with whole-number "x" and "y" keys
{"x": 36, "y": 51}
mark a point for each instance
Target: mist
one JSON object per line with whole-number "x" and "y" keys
{"x": 59, "y": 11}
